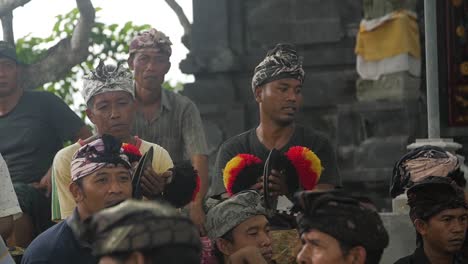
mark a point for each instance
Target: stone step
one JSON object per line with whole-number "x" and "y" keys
{"x": 360, "y": 121}
{"x": 402, "y": 237}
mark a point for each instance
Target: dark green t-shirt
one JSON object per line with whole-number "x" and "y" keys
{"x": 248, "y": 142}
{"x": 33, "y": 132}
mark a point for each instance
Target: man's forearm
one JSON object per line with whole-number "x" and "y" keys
{"x": 83, "y": 133}
{"x": 200, "y": 163}
{"x": 6, "y": 226}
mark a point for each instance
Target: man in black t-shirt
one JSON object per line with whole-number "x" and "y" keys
{"x": 277, "y": 85}
{"x": 438, "y": 211}
{"x": 33, "y": 127}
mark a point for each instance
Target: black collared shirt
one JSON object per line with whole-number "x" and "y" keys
{"x": 58, "y": 245}
{"x": 419, "y": 257}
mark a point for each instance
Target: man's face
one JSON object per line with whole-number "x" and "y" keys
{"x": 104, "y": 188}
{"x": 254, "y": 231}
{"x": 134, "y": 258}
{"x": 320, "y": 248}
{"x": 149, "y": 68}
{"x": 109, "y": 260}
{"x": 8, "y": 76}
{"x": 445, "y": 232}
{"x": 280, "y": 100}
{"x": 112, "y": 113}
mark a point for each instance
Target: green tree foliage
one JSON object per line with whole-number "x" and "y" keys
{"x": 108, "y": 42}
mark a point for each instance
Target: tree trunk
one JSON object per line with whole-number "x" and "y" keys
{"x": 183, "y": 21}
{"x": 64, "y": 55}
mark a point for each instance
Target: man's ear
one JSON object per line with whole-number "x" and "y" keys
{"x": 136, "y": 257}
{"x": 168, "y": 68}
{"x": 224, "y": 246}
{"x": 90, "y": 115}
{"x": 130, "y": 61}
{"x": 357, "y": 255}
{"x": 77, "y": 192}
{"x": 421, "y": 226}
{"x": 258, "y": 91}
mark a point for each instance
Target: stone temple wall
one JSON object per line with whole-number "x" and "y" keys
{"x": 370, "y": 122}
{"x": 230, "y": 37}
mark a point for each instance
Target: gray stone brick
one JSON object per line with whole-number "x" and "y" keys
{"x": 396, "y": 86}
{"x": 328, "y": 88}
{"x": 402, "y": 237}
{"x": 380, "y": 152}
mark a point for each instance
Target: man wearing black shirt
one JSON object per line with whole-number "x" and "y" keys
{"x": 277, "y": 85}
{"x": 33, "y": 126}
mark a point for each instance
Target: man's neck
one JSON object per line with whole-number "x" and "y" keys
{"x": 272, "y": 135}
{"x": 127, "y": 139}
{"x": 83, "y": 214}
{"x": 148, "y": 102}
{"x": 435, "y": 256}
{"x": 148, "y": 96}
{"x": 9, "y": 102}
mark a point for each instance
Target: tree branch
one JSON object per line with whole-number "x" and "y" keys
{"x": 7, "y": 25}
{"x": 7, "y": 6}
{"x": 183, "y": 21}
{"x": 65, "y": 54}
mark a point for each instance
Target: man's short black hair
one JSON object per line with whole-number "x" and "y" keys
{"x": 372, "y": 256}
{"x": 168, "y": 255}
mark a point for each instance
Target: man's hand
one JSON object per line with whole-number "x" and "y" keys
{"x": 152, "y": 184}
{"x": 198, "y": 217}
{"x": 247, "y": 255}
{"x": 277, "y": 184}
{"x": 45, "y": 184}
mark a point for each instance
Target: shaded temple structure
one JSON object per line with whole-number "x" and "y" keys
{"x": 229, "y": 38}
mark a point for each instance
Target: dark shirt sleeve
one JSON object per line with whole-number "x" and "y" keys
{"x": 225, "y": 153}
{"x": 327, "y": 155}
{"x": 65, "y": 122}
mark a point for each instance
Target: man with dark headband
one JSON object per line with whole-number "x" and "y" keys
{"x": 164, "y": 117}
{"x": 277, "y": 85}
{"x": 143, "y": 233}
{"x": 240, "y": 230}
{"x": 438, "y": 211}
{"x": 338, "y": 229}
{"x": 109, "y": 96}
{"x": 101, "y": 178}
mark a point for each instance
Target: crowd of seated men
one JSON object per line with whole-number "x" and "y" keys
{"x": 125, "y": 194}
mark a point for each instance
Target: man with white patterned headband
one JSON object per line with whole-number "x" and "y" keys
{"x": 101, "y": 178}
{"x": 109, "y": 95}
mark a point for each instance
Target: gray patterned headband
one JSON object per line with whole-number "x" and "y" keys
{"x": 151, "y": 39}
{"x": 233, "y": 211}
{"x": 139, "y": 225}
{"x": 280, "y": 62}
{"x": 107, "y": 78}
